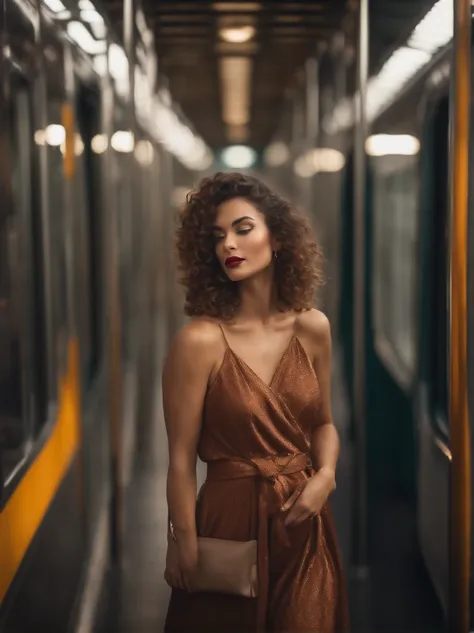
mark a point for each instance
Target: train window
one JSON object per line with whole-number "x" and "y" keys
{"x": 90, "y": 268}
{"x": 57, "y": 225}
{"x": 395, "y": 197}
{"x": 23, "y": 361}
{"x": 438, "y": 305}
{"x": 123, "y": 179}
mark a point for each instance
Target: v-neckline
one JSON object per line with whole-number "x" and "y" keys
{"x": 277, "y": 370}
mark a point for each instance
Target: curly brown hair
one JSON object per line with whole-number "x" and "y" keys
{"x": 209, "y": 292}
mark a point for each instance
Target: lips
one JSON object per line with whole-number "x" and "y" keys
{"x": 233, "y": 262}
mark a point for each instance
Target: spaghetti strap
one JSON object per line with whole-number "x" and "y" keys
{"x": 224, "y": 336}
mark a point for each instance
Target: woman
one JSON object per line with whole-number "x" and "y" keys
{"x": 247, "y": 382}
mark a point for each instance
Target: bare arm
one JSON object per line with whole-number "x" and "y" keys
{"x": 308, "y": 498}
{"x": 325, "y": 439}
{"x": 185, "y": 379}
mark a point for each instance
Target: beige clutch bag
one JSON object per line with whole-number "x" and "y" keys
{"x": 227, "y": 567}
{"x": 224, "y": 566}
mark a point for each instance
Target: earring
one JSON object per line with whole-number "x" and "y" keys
{"x": 275, "y": 254}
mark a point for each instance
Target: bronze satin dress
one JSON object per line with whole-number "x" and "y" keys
{"x": 255, "y": 439}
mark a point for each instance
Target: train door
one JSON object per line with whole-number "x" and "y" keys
{"x": 432, "y": 401}
{"x": 23, "y": 347}
{"x": 90, "y": 300}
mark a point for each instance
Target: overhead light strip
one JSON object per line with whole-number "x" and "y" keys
{"x": 235, "y": 78}
{"x": 432, "y": 33}
{"x": 155, "y": 113}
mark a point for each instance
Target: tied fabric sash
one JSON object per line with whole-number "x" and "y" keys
{"x": 267, "y": 470}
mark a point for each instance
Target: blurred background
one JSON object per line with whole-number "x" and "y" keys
{"x": 110, "y": 112}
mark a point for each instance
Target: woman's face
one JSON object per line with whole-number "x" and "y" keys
{"x": 243, "y": 242}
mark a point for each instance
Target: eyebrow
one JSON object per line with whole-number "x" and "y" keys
{"x": 244, "y": 217}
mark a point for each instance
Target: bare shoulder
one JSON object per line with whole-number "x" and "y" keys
{"x": 198, "y": 334}
{"x": 199, "y": 340}
{"x": 314, "y": 325}
{"x": 314, "y": 331}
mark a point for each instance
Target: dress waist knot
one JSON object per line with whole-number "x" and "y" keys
{"x": 267, "y": 470}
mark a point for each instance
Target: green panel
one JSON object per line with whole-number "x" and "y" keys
{"x": 389, "y": 422}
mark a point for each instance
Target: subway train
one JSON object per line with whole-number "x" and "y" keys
{"x": 407, "y": 309}
{"x": 86, "y": 297}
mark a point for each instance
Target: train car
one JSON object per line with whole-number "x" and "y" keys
{"x": 86, "y": 299}
{"x": 407, "y": 276}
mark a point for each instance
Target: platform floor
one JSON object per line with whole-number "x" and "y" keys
{"x": 397, "y": 597}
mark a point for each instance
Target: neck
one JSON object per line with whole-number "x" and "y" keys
{"x": 258, "y": 297}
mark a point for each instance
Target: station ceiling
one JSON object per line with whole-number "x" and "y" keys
{"x": 230, "y": 64}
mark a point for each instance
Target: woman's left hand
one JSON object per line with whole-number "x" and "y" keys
{"x": 309, "y": 497}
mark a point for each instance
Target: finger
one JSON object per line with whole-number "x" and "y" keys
{"x": 296, "y": 516}
{"x": 292, "y": 499}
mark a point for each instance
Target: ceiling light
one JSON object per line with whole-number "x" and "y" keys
{"x": 303, "y": 167}
{"x": 118, "y": 67}
{"x": 144, "y": 153}
{"x": 276, "y": 154}
{"x": 239, "y": 157}
{"x": 100, "y": 65}
{"x": 392, "y": 144}
{"x": 235, "y": 79}
{"x": 122, "y": 142}
{"x": 78, "y": 145}
{"x": 237, "y": 34}
{"x": 319, "y": 160}
{"x": 56, "y": 6}
{"x": 40, "y": 137}
{"x": 433, "y": 32}
{"x": 178, "y": 139}
{"x": 327, "y": 159}
{"x": 55, "y": 135}
{"x": 99, "y": 143}
{"x": 83, "y": 38}
{"x": 92, "y": 17}
{"x": 435, "y": 29}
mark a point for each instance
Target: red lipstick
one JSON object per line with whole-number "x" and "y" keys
{"x": 233, "y": 262}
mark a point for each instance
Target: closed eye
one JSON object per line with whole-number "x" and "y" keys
{"x": 217, "y": 237}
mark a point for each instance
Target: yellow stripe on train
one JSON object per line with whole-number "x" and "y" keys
{"x": 26, "y": 508}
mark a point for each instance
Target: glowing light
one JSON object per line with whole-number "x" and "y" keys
{"x": 179, "y": 139}
{"x": 55, "y": 135}
{"x": 303, "y": 167}
{"x": 83, "y": 38}
{"x": 319, "y": 160}
{"x": 239, "y": 157}
{"x": 433, "y": 32}
{"x": 435, "y": 29}
{"x": 238, "y": 34}
{"x": 123, "y": 142}
{"x": 99, "y": 143}
{"x": 235, "y": 81}
{"x": 56, "y": 6}
{"x": 392, "y": 144}
{"x": 276, "y": 154}
{"x": 144, "y": 153}
{"x": 40, "y": 137}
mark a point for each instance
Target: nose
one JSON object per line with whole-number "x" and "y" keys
{"x": 229, "y": 243}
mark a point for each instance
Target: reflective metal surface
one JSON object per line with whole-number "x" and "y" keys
{"x": 360, "y": 475}
{"x": 460, "y": 497}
